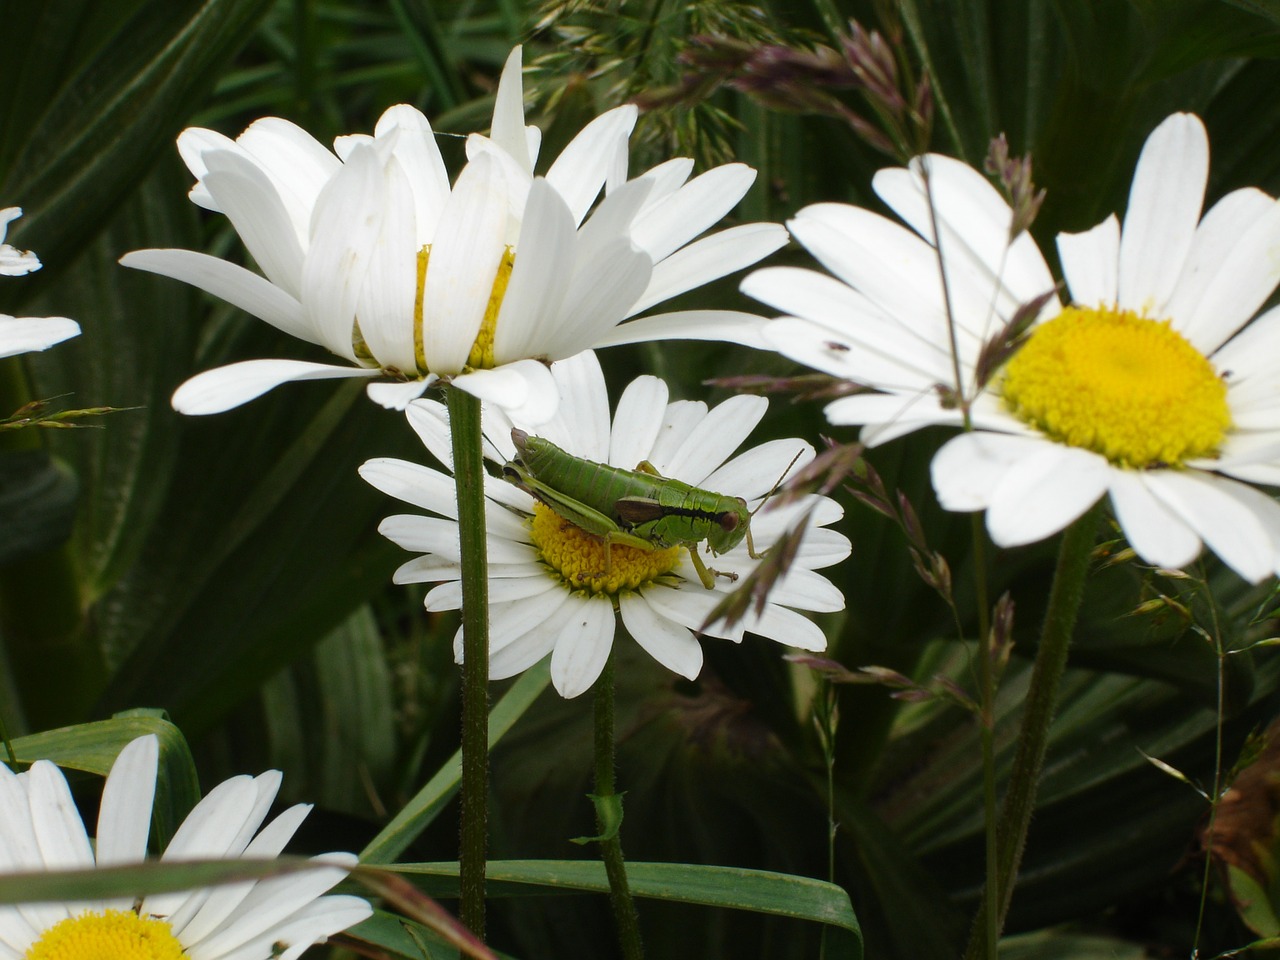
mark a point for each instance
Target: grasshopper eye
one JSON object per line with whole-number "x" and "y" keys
{"x": 728, "y": 521}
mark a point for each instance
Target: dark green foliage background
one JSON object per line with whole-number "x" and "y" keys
{"x": 228, "y": 568}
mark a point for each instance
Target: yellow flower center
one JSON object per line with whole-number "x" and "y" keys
{"x": 110, "y": 935}
{"x": 579, "y": 557}
{"x": 481, "y": 357}
{"x": 1128, "y": 387}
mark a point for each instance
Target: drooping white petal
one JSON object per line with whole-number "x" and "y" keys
{"x": 1238, "y": 523}
{"x": 1091, "y": 263}
{"x": 786, "y": 627}
{"x": 583, "y": 648}
{"x": 1155, "y": 532}
{"x": 14, "y": 262}
{"x": 1043, "y": 492}
{"x": 230, "y": 282}
{"x": 525, "y": 389}
{"x": 1164, "y": 208}
{"x": 413, "y": 483}
{"x": 671, "y": 644}
{"x": 224, "y": 388}
{"x": 24, "y": 334}
{"x": 398, "y": 396}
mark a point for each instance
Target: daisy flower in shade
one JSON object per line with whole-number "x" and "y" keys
{"x": 548, "y": 591}
{"x": 370, "y": 252}
{"x": 24, "y": 334}
{"x": 1150, "y": 384}
{"x": 278, "y": 917}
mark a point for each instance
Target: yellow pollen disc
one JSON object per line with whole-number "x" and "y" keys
{"x": 481, "y": 357}
{"x": 110, "y": 935}
{"x": 1128, "y": 387}
{"x": 579, "y": 557}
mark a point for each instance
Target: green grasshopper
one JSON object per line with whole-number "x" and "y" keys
{"x": 635, "y": 508}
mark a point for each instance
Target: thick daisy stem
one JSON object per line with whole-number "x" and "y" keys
{"x": 1051, "y": 659}
{"x": 609, "y": 820}
{"x": 468, "y": 472}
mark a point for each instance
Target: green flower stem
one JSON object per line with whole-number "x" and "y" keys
{"x": 1065, "y": 596}
{"x": 468, "y": 474}
{"x": 624, "y": 908}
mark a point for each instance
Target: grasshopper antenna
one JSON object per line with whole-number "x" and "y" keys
{"x": 776, "y": 484}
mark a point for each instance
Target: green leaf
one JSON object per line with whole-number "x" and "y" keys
{"x": 93, "y": 747}
{"x": 90, "y": 130}
{"x": 37, "y": 503}
{"x": 757, "y": 891}
{"x": 416, "y": 815}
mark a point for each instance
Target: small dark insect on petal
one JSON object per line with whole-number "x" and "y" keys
{"x": 837, "y": 347}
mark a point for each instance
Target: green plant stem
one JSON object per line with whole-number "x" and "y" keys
{"x": 1065, "y": 596}
{"x": 468, "y": 474}
{"x": 624, "y": 908}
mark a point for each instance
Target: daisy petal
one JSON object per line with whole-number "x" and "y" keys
{"x": 227, "y": 387}
{"x": 1091, "y": 261}
{"x": 124, "y": 816}
{"x": 671, "y": 644}
{"x": 1164, "y": 207}
{"x": 709, "y": 259}
{"x": 726, "y": 326}
{"x": 24, "y": 334}
{"x": 583, "y": 648}
{"x": 1156, "y": 533}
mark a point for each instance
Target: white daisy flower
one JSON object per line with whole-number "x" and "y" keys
{"x": 370, "y": 253}
{"x": 1149, "y": 385}
{"x": 24, "y": 334}
{"x": 548, "y": 590}
{"x": 274, "y": 918}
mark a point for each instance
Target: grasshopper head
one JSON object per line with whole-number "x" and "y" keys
{"x": 731, "y": 526}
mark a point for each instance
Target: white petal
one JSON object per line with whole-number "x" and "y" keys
{"x": 465, "y": 256}
{"x": 541, "y": 631}
{"x": 1091, "y": 263}
{"x": 637, "y": 421}
{"x": 309, "y": 925}
{"x": 727, "y": 326}
{"x": 124, "y": 816}
{"x": 299, "y": 165}
{"x": 787, "y": 627}
{"x": 1157, "y": 533}
{"x": 531, "y": 306}
{"x": 1043, "y": 492}
{"x": 672, "y": 221}
{"x": 250, "y": 200}
{"x": 580, "y": 170}
{"x": 755, "y": 472}
{"x": 226, "y": 387}
{"x": 230, "y": 282}
{"x": 1238, "y": 523}
{"x": 24, "y": 334}
{"x": 508, "y": 130}
{"x": 58, "y": 828}
{"x": 713, "y": 441}
{"x": 1232, "y": 269}
{"x": 582, "y": 418}
{"x": 413, "y": 483}
{"x": 386, "y": 304}
{"x": 671, "y": 644}
{"x": 416, "y": 152}
{"x": 606, "y": 281}
{"x": 709, "y": 259}
{"x": 345, "y": 227}
{"x": 398, "y": 395}
{"x": 583, "y": 648}
{"x": 524, "y": 389}
{"x": 1164, "y": 207}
